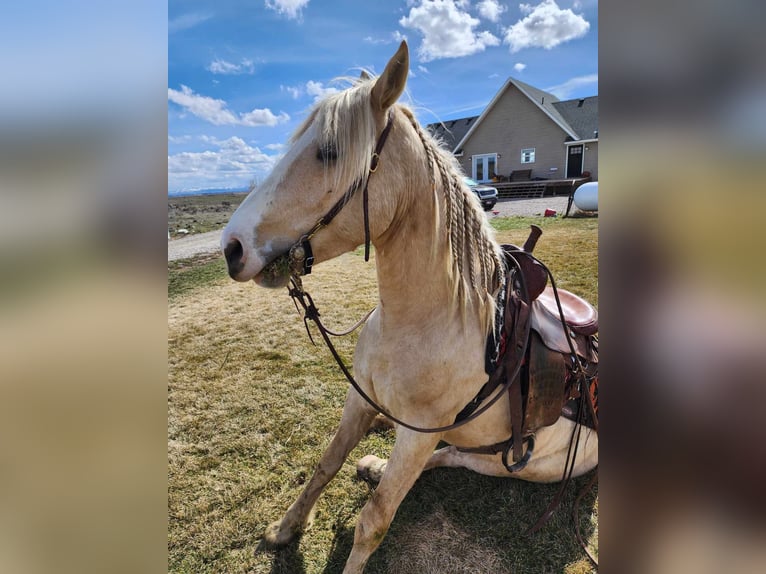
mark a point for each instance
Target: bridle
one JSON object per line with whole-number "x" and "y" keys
{"x": 301, "y": 255}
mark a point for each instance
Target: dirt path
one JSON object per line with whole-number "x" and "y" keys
{"x": 529, "y": 207}
{"x": 209, "y": 242}
{"x": 194, "y": 245}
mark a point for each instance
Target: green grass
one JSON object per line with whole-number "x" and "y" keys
{"x": 568, "y": 247}
{"x": 188, "y": 274}
{"x": 252, "y": 405}
{"x": 517, "y": 222}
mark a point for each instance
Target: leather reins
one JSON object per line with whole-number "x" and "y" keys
{"x": 311, "y": 313}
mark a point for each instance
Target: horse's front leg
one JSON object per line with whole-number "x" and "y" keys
{"x": 409, "y": 455}
{"x": 356, "y": 419}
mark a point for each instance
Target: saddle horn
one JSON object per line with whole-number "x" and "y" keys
{"x": 534, "y": 234}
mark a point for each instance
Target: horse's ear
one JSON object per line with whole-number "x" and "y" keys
{"x": 364, "y": 76}
{"x": 390, "y": 85}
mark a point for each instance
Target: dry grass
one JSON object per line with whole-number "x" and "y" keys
{"x": 252, "y": 405}
{"x": 201, "y": 213}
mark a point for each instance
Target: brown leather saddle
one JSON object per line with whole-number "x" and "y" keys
{"x": 562, "y": 330}
{"x": 560, "y": 342}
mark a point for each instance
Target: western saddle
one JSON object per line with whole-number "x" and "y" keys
{"x": 561, "y": 358}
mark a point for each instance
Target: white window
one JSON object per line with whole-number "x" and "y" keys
{"x": 528, "y": 155}
{"x": 484, "y": 166}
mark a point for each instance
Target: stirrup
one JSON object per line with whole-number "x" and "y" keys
{"x": 530, "y": 440}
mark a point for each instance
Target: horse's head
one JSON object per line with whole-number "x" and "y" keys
{"x": 330, "y": 157}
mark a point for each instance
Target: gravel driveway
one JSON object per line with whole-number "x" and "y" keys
{"x": 204, "y": 243}
{"x": 192, "y": 245}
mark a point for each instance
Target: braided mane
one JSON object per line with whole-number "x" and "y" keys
{"x": 476, "y": 256}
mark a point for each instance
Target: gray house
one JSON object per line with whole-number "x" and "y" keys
{"x": 527, "y": 131}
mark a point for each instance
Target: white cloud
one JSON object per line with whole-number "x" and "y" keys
{"x": 294, "y": 91}
{"x": 545, "y": 26}
{"x": 219, "y": 66}
{"x": 423, "y": 69}
{"x": 319, "y": 91}
{"x": 490, "y": 10}
{"x": 234, "y": 162}
{"x": 291, "y": 8}
{"x": 262, "y": 117}
{"x": 393, "y": 37}
{"x": 519, "y": 67}
{"x": 448, "y": 30}
{"x": 311, "y": 88}
{"x": 179, "y": 139}
{"x": 186, "y": 21}
{"x": 562, "y": 91}
{"x": 216, "y": 112}
{"x": 209, "y": 109}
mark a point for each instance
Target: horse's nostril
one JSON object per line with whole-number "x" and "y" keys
{"x": 233, "y": 253}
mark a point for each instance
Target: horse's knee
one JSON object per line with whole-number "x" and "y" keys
{"x": 374, "y": 522}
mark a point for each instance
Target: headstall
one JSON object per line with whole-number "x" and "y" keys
{"x": 301, "y": 255}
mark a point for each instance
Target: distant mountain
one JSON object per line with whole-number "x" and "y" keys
{"x": 207, "y": 191}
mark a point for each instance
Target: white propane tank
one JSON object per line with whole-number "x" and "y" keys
{"x": 586, "y": 196}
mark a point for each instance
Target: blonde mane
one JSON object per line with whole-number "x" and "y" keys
{"x": 476, "y": 256}
{"x": 346, "y": 124}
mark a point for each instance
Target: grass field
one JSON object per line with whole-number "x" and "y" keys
{"x": 252, "y": 404}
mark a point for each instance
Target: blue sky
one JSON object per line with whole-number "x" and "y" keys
{"x": 243, "y": 74}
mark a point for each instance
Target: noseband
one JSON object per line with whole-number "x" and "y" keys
{"x": 301, "y": 255}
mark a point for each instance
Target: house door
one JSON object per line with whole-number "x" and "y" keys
{"x": 574, "y": 161}
{"x": 484, "y": 167}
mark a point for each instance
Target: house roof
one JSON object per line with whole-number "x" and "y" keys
{"x": 545, "y": 101}
{"x": 451, "y": 131}
{"x": 579, "y": 121}
{"x": 582, "y": 115}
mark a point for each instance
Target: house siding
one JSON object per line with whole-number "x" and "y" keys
{"x": 590, "y": 161}
{"x": 515, "y": 123}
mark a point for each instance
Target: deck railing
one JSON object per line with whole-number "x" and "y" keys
{"x": 540, "y": 188}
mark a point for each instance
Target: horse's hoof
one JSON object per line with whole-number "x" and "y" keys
{"x": 277, "y": 535}
{"x": 371, "y": 468}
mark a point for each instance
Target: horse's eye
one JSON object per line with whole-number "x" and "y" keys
{"x": 327, "y": 152}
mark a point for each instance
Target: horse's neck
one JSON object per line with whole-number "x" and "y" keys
{"x": 415, "y": 281}
{"x": 411, "y": 284}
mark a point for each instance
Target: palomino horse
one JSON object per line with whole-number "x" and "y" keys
{"x": 421, "y": 354}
